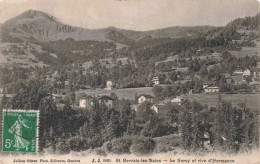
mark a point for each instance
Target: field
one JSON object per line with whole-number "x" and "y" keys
{"x": 251, "y": 100}
{"x": 213, "y": 56}
{"x": 126, "y": 93}
{"x": 19, "y": 54}
{"x": 248, "y": 51}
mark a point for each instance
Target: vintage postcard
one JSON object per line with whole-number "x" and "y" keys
{"x": 129, "y": 81}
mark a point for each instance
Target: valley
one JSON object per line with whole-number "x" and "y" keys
{"x": 120, "y": 91}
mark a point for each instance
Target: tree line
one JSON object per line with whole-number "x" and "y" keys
{"x": 229, "y": 128}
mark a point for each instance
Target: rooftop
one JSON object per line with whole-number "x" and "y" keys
{"x": 147, "y": 96}
{"x": 105, "y": 98}
{"x": 212, "y": 87}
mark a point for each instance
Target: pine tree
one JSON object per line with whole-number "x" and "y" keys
{"x": 112, "y": 129}
{"x": 231, "y": 131}
{"x": 84, "y": 129}
{"x": 131, "y": 129}
{"x": 245, "y": 126}
{"x": 73, "y": 98}
{"x": 217, "y": 129}
{"x": 48, "y": 119}
{"x": 196, "y": 126}
{"x": 185, "y": 120}
{"x": 95, "y": 124}
{"x": 255, "y": 131}
{"x": 67, "y": 119}
{"x": 95, "y": 127}
{"x": 124, "y": 111}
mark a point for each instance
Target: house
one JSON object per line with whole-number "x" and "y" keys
{"x": 84, "y": 87}
{"x": 57, "y": 98}
{"x": 56, "y": 73}
{"x": 134, "y": 107}
{"x": 211, "y": 89}
{"x": 67, "y": 82}
{"x": 107, "y": 101}
{"x": 182, "y": 70}
{"x": 198, "y": 50}
{"x": 145, "y": 98}
{"x": 254, "y": 83}
{"x": 205, "y": 86}
{"x": 156, "y": 80}
{"x": 226, "y": 75}
{"x": 86, "y": 102}
{"x": 155, "y": 107}
{"x": 255, "y": 74}
{"x": 109, "y": 85}
{"x": 178, "y": 100}
{"x": 246, "y": 72}
{"x": 206, "y": 139}
{"x": 237, "y": 41}
{"x": 258, "y": 65}
{"x": 60, "y": 106}
{"x": 190, "y": 92}
{"x": 238, "y": 72}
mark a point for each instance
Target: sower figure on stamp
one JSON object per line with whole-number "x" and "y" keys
{"x": 16, "y": 129}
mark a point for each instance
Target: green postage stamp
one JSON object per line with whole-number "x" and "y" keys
{"x": 20, "y": 131}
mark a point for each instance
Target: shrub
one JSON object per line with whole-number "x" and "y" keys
{"x": 100, "y": 152}
{"x": 121, "y": 145}
{"x": 62, "y": 147}
{"x": 77, "y": 143}
{"x": 142, "y": 145}
{"x": 167, "y": 143}
{"x": 107, "y": 146}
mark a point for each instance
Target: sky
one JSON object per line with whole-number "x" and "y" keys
{"x": 135, "y": 14}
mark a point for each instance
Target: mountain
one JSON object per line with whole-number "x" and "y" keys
{"x": 40, "y": 26}
{"x": 119, "y": 37}
{"x": 44, "y": 27}
{"x": 170, "y": 32}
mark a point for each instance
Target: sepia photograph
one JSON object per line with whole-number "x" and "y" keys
{"x": 130, "y": 81}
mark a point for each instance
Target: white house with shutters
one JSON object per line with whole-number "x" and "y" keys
{"x": 212, "y": 89}
{"x": 86, "y": 102}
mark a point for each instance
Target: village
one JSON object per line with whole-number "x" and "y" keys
{"x": 248, "y": 77}
{"x": 238, "y": 77}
